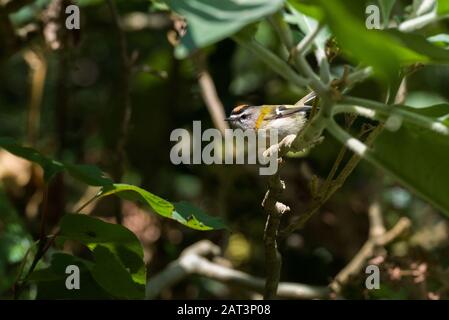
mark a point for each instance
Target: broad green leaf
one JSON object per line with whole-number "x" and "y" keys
{"x": 50, "y": 167}
{"x": 51, "y": 281}
{"x": 372, "y": 47}
{"x": 308, "y": 9}
{"x": 209, "y": 21}
{"x": 188, "y": 215}
{"x": 118, "y": 266}
{"x": 195, "y": 218}
{"x": 120, "y": 241}
{"x": 419, "y": 159}
{"x": 130, "y": 192}
{"x": 113, "y": 277}
{"x": 442, "y": 7}
{"x": 92, "y": 231}
{"x": 420, "y": 45}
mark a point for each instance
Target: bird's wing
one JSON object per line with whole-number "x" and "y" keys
{"x": 284, "y": 111}
{"x": 306, "y": 100}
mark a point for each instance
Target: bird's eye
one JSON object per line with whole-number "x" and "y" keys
{"x": 244, "y": 116}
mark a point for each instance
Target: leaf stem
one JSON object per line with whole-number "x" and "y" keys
{"x": 421, "y": 21}
{"x": 388, "y": 110}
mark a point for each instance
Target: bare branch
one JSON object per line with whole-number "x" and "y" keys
{"x": 209, "y": 93}
{"x": 193, "y": 261}
{"x": 274, "y": 210}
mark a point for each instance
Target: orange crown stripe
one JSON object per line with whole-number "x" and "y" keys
{"x": 240, "y": 108}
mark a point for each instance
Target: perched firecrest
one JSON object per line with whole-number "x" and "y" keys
{"x": 286, "y": 119}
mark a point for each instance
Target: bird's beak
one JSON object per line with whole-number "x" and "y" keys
{"x": 228, "y": 119}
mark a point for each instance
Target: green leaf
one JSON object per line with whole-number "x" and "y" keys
{"x": 195, "y": 218}
{"x": 419, "y": 159}
{"x": 113, "y": 277}
{"x": 50, "y": 167}
{"x": 209, "y": 21}
{"x": 120, "y": 241}
{"x": 307, "y": 9}
{"x": 373, "y": 47}
{"x": 442, "y": 7}
{"x": 185, "y": 214}
{"x": 95, "y": 177}
{"x": 130, "y": 192}
{"x": 118, "y": 266}
{"x": 419, "y": 44}
{"x": 92, "y": 231}
{"x": 51, "y": 281}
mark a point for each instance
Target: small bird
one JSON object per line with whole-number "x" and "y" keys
{"x": 286, "y": 119}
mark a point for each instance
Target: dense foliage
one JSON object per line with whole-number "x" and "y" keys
{"x": 85, "y": 123}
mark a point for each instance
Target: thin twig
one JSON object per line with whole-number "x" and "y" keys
{"x": 209, "y": 93}
{"x": 42, "y": 244}
{"x": 304, "y": 45}
{"x": 421, "y": 21}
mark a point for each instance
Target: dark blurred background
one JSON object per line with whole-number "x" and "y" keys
{"x": 78, "y": 120}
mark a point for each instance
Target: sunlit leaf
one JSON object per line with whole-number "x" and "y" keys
{"x": 195, "y": 218}
{"x": 130, "y": 192}
{"x": 183, "y": 213}
{"x": 420, "y": 45}
{"x": 307, "y": 8}
{"x": 442, "y": 7}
